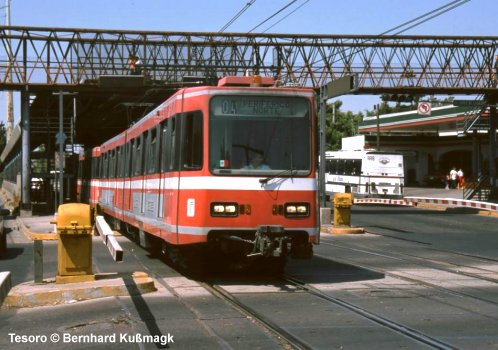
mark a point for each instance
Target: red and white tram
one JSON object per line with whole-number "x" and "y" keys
{"x": 182, "y": 176}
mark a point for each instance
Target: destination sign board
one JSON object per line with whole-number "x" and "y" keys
{"x": 258, "y": 106}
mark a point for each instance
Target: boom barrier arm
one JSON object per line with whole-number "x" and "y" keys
{"x": 109, "y": 239}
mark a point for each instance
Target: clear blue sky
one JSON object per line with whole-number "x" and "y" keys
{"x": 474, "y": 18}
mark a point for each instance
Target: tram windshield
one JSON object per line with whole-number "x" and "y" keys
{"x": 260, "y": 135}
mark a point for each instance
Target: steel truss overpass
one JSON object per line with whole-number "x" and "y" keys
{"x": 70, "y": 58}
{"x": 39, "y": 62}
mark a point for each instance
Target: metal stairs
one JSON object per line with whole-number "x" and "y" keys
{"x": 474, "y": 120}
{"x": 479, "y": 189}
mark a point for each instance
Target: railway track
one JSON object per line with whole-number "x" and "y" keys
{"x": 285, "y": 337}
{"x": 390, "y": 324}
{"x": 245, "y": 301}
{"x": 440, "y": 267}
{"x": 296, "y": 342}
{"x": 288, "y": 339}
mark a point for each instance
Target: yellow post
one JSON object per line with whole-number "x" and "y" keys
{"x": 342, "y": 214}
{"x": 74, "y": 246}
{"x": 342, "y": 209}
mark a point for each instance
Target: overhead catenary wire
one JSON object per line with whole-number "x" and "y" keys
{"x": 234, "y": 18}
{"x": 272, "y": 16}
{"x": 432, "y": 14}
{"x": 423, "y": 18}
{"x": 290, "y": 13}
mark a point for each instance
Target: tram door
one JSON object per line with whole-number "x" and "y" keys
{"x": 137, "y": 184}
{"x": 169, "y": 180}
{"x": 152, "y": 172}
{"x": 127, "y": 174}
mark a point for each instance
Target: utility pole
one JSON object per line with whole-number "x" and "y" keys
{"x": 9, "y": 102}
{"x": 323, "y": 124}
{"x": 492, "y": 145}
{"x": 60, "y": 140}
{"x": 377, "y": 113}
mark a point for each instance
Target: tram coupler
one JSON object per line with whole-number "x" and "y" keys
{"x": 270, "y": 241}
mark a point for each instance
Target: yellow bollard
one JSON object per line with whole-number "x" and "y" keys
{"x": 342, "y": 209}
{"x": 74, "y": 246}
{"x": 342, "y": 214}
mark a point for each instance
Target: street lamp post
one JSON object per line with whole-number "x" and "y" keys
{"x": 60, "y": 139}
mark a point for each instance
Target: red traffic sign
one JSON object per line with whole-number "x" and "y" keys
{"x": 424, "y": 108}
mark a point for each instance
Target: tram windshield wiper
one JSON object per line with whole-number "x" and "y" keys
{"x": 290, "y": 172}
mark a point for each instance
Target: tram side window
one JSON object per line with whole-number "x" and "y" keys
{"x": 96, "y": 167}
{"x": 192, "y": 141}
{"x": 137, "y": 156}
{"x": 119, "y": 161}
{"x": 105, "y": 166}
{"x": 175, "y": 141}
{"x": 112, "y": 164}
{"x": 165, "y": 150}
{"x": 133, "y": 148}
{"x": 127, "y": 160}
{"x": 152, "y": 161}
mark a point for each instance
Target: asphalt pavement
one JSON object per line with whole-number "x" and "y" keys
{"x": 103, "y": 309}
{"x": 433, "y": 192}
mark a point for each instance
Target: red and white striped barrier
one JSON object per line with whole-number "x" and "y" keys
{"x": 453, "y": 202}
{"x": 384, "y": 201}
{"x": 413, "y": 201}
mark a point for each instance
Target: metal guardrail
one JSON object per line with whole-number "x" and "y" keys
{"x": 470, "y": 121}
{"x": 480, "y": 188}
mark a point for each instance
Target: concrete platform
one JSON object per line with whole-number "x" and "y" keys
{"x": 25, "y": 230}
{"x": 37, "y": 227}
{"x": 346, "y": 230}
{"x": 32, "y": 294}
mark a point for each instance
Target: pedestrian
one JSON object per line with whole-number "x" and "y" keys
{"x": 453, "y": 178}
{"x": 461, "y": 179}
{"x": 447, "y": 182}
{"x": 132, "y": 62}
{"x": 138, "y": 66}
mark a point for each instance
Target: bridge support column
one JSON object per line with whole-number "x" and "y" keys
{"x": 476, "y": 155}
{"x": 25, "y": 156}
{"x": 492, "y": 147}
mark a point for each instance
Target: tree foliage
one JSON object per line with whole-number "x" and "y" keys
{"x": 340, "y": 124}
{"x": 345, "y": 123}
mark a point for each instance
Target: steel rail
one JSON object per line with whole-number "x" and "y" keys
{"x": 272, "y": 327}
{"x": 395, "y": 326}
{"x": 412, "y": 279}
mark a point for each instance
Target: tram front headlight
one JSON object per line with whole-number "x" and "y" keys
{"x": 230, "y": 209}
{"x": 297, "y": 209}
{"x": 302, "y": 209}
{"x": 218, "y": 209}
{"x": 224, "y": 209}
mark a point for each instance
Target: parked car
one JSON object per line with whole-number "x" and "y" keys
{"x": 435, "y": 180}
